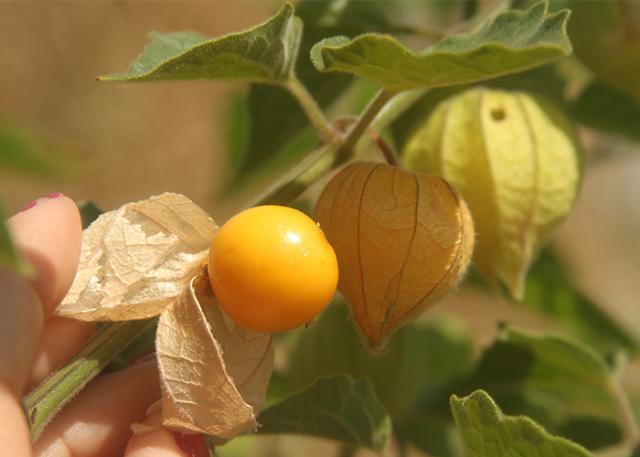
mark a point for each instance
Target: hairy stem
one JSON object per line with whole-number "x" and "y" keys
{"x": 330, "y": 156}
{"x": 46, "y": 400}
{"x": 314, "y": 113}
{"x": 345, "y": 150}
{"x": 630, "y": 433}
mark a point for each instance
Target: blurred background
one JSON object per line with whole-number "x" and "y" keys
{"x": 126, "y": 142}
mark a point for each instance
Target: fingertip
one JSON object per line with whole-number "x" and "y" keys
{"x": 49, "y": 232}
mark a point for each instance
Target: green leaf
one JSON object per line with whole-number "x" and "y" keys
{"x": 274, "y": 115}
{"x": 337, "y": 408}
{"x": 560, "y": 383}
{"x": 23, "y": 152}
{"x": 608, "y": 109}
{"x": 417, "y": 357}
{"x": 89, "y": 212}
{"x": 511, "y": 42}
{"x": 550, "y": 291}
{"x": 487, "y": 432}
{"x": 265, "y": 53}
{"x": 10, "y": 256}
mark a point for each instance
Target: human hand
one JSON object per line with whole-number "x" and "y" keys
{"x": 34, "y": 342}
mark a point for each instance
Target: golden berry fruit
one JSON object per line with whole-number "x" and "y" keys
{"x": 272, "y": 269}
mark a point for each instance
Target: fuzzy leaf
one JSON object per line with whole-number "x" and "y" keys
{"x": 414, "y": 232}
{"x": 516, "y": 161}
{"x": 138, "y": 259}
{"x": 511, "y": 42}
{"x": 487, "y": 432}
{"x": 337, "y": 408}
{"x": 417, "y": 356}
{"x": 549, "y": 290}
{"x": 265, "y": 53}
{"x": 214, "y": 374}
{"x": 558, "y": 382}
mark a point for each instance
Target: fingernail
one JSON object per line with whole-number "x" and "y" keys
{"x": 192, "y": 445}
{"x": 54, "y": 195}
{"x": 30, "y": 205}
{"x": 142, "y": 358}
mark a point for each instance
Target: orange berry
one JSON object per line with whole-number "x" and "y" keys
{"x": 272, "y": 269}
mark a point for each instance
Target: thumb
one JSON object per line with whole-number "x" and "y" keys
{"x": 48, "y": 232}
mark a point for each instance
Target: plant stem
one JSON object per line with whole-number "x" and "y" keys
{"x": 300, "y": 177}
{"x": 396, "y": 107}
{"x": 345, "y": 151}
{"x": 314, "y": 113}
{"x": 630, "y": 433}
{"x": 46, "y": 400}
{"x": 381, "y": 111}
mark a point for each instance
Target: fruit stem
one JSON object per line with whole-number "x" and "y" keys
{"x": 312, "y": 110}
{"x": 47, "y": 399}
{"x": 383, "y": 109}
{"x": 630, "y": 433}
{"x": 346, "y": 149}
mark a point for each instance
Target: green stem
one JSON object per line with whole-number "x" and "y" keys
{"x": 396, "y": 107}
{"x": 300, "y": 177}
{"x": 630, "y": 433}
{"x": 381, "y": 111}
{"x": 46, "y": 400}
{"x": 312, "y": 110}
{"x": 346, "y": 149}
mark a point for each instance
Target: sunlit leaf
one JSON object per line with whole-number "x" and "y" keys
{"x": 511, "y": 42}
{"x": 265, "y": 53}
{"x": 138, "y": 259}
{"x": 337, "y": 408}
{"x": 214, "y": 373}
{"x": 487, "y": 432}
{"x": 558, "y": 382}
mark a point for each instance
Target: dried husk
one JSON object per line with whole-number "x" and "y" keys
{"x": 402, "y": 240}
{"x": 214, "y": 374}
{"x": 515, "y": 160}
{"x": 148, "y": 258}
{"x": 138, "y": 259}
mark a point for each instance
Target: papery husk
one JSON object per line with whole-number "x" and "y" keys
{"x": 138, "y": 259}
{"x": 402, "y": 240}
{"x": 515, "y": 160}
{"x": 214, "y": 374}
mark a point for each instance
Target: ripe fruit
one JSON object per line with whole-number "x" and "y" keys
{"x": 272, "y": 269}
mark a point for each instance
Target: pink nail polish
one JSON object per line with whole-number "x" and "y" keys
{"x": 54, "y": 195}
{"x": 192, "y": 445}
{"x": 28, "y": 206}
